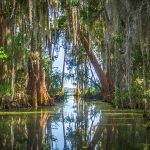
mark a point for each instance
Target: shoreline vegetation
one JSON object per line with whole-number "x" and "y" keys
{"x": 60, "y": 100}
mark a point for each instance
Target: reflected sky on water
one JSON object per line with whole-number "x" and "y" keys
{"x": 74, "y": 125}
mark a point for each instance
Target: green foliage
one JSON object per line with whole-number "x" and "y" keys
{"x": 62, "y": 22}
{"x": 19, "y": 52}
{"x": 73, "y": 3}
{"x": 90, "y": 10}
{"x": 47, "y": 63}
{"x": 3, "y": 55}
{"x": 56, "y": 78}
{"x": 137, "y": 90}
{"x": 138, "y": 60}
{"x": 91, "y": 91}
{"x": 60, "y": 92}
{"x": 117, "y": 97}
{"x": 4, "y": 89}
{"x": 139, "y": 93}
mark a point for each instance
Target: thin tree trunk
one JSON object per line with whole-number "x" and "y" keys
{"x": 12, "y": 58}
{"x": 78, "y": 92}
{"x": 63, "y": 72}
{"x": 50, "y": 56}
{"x": 86, "y": 80}
{"x": 128, "y": 45}
{"x": 1, "y": 30}
{"x": 12, "y": 77}
{"x": 49, "y": 45}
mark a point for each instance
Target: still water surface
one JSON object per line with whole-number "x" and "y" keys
{"x": 74, "y": 125}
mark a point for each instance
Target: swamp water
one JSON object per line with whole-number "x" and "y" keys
{"x": 73, "y": 125}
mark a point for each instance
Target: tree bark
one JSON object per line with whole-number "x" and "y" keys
{"x": 3, "y": 64}
{"x": 32, "y": 82}
{"x": 106, "y": 92}
{"x": 33, "y": 62}
{"x": 108, "y": 54}
{"x": 50, "y": 52}
{"x": 63, "y": 72}
{"x": 43, "y": 95}
{"x": 1, "y": 30}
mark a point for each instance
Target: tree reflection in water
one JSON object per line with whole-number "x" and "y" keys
{"x": 36, "y": 127}
{"x": 77, "y": 125}
{"x": 81, "y": 125}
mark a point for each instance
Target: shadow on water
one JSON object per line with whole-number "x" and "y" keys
{"x": 77, "y": 125}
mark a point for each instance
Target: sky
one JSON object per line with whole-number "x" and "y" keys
{"x": 59, "y": 64}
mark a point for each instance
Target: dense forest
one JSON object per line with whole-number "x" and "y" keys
{"x": 108, "y": 37}
{"x": 101, "y": 47}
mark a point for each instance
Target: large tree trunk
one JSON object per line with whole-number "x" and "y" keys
{"x": 33, "y": 63}
{"x": 106, "y": 92}
{"x": 37, "y": 90}
{"x": 43, "y": 95}
{"x": 108, "y": 55}
{"x": 129, "y": 72}
{"x": 33, "y": 80}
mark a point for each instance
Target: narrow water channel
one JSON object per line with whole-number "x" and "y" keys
{"x": 73, "y": 125}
